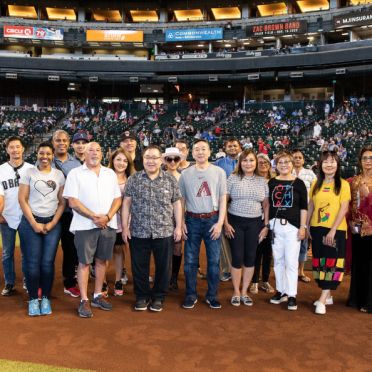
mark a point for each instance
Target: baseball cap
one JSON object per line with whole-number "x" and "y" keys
{"x": 127, "y": 135}
{"x": 80, "y": 137}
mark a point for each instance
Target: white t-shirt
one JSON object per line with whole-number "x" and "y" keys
{"x": 44, "y": 187}
{"x": 9, "y": 190}
{"x": 95, "y": 192}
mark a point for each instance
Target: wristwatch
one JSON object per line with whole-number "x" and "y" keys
{"x": 267, "y": 225}
{"x": 304, "y": 227}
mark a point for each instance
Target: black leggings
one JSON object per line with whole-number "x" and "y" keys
{"x": 263, "y": 256}
{"x": 244, "y": 244}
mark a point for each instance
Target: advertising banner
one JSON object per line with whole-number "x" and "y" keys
{"x": 353, "y": 19}
{"x": 120, "y": 36}
{"x": 277, "y": 29}
{"x": 191, "y": 34}
{"x": 25, "y": 32}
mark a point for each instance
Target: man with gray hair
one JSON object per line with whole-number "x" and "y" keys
{"x": 94, "y": 195}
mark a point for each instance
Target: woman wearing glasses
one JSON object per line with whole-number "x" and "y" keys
{"x": 248, "y": 195}
{"x": 122, "y": 164}
{"x": 360, "y": 295}
{"x": 42, "y": 204}
{"x": 288, "y": 212}
{"x": 172, "y": 159}
{"x": 328, "y": 205}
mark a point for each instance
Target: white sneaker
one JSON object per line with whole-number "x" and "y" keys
{"x": 320, "y": 309}
{"x": 329, "y": 301}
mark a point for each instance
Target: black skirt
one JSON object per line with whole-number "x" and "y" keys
{"x": 328, "y": 262}
{"x": 360, "y": 295}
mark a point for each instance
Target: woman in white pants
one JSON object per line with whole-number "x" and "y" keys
{"x": 288, "y": 212}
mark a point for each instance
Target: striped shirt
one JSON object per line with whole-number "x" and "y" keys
{"x": 246, "y": 195}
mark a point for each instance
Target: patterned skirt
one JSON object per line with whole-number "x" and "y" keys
{"x": 328, "y": 262}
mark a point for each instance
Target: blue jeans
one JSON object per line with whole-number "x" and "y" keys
{"x": 303, "y": 250}
{"x": 198, "y": 230}
{"x": 39, "y": 251}
{"x": 8, "y": 236}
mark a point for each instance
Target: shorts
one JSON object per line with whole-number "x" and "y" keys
{"x": 95, "y": 243}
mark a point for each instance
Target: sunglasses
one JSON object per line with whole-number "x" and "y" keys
{"x": 366, "y": 158}
{"x": 17, "y": 174}
{"x": 175, "y": 159}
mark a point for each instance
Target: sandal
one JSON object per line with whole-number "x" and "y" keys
{"x": 304, "y": 278}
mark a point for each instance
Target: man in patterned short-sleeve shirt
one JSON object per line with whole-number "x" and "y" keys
{"x": 152, "y": 198}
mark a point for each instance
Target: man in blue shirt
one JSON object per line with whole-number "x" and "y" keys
{"x": 65, "y": 163}
{"x": 233, "y": 149}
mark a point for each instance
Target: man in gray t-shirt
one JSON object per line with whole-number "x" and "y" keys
{"x": 203, "y": 189}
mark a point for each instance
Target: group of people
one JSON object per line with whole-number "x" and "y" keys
{"x": 161, "y": 205}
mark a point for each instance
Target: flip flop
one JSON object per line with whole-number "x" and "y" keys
{"x": 304, "y": 278}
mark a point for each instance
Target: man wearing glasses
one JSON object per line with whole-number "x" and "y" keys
{"x": 10, "y": 211}
{"x": 152, "y": 199}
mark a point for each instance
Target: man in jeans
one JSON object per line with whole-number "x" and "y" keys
{"x": 10, "y": 211}
{"x": 203, "y": 188}
{"x": 65, "y": 163}
{"x": 152, "y": 198}
{"x": 94, "y": 196}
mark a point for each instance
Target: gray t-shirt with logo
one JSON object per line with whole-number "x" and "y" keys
{"x": 44, "y": 187}
{"x": 202, "y": 189}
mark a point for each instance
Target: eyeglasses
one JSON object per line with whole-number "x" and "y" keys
{"x": 148, "y": 158}
{"x": 286, "y": 162}
{"x": 366, "y": 158}
{"x": 175, "y": 159}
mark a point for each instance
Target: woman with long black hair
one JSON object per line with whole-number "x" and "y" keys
{"x": 329, "y": 203}
{"x": 360, "y": 295}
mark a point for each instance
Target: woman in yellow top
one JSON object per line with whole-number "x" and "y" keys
{"x": 329, "y": 202}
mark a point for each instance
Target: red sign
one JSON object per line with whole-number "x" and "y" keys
{"x": 22, "y": 32}
{"x": 280, "y": 28}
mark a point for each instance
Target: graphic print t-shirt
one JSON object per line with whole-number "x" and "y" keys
{"x": 327, "y": 205}
{"x": 44, "y": 187}
{"x": 202, "y": 189}
{"x": 287, "y": 199}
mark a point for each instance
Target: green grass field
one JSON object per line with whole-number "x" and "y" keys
{"x": 13, "y": 366}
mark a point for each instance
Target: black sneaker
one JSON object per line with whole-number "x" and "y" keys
{"x": 101, "y": 302}
{"x": 278, "y": 298}
{"x": 8, "y": 290}
{"x": 156, "y": 305}
{"x": 189, "y": 303}
{"x": 141, "y": 305}
{"x": 292, "y": 303}
{"x": 173, "y": 285}
{"x": 213, "y": 304}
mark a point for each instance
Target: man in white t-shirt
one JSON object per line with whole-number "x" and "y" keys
{"x": 10, "y": 211}
{"x": 94, "y": 196}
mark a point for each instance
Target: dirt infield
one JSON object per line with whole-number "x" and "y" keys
{"x": 264, "y": 337}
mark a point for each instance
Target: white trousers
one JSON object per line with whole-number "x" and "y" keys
{"x": 286, "y": 249}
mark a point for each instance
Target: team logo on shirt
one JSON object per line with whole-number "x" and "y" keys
{"x": 323, "y": 214}
{"x": 204, "y": 190}
{"x": 326, "y": 189}
{"x": 282, "y": 196}
{"x": 45, "y": 187}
